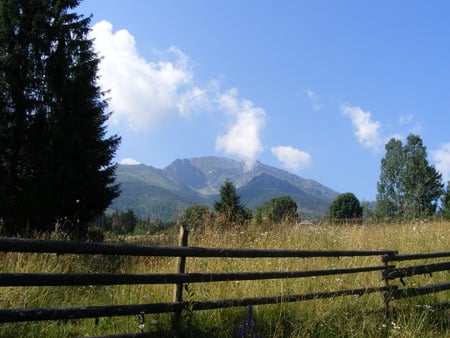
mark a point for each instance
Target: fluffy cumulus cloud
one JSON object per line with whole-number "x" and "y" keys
{"x": 441, "y": 158}
{"x": 242, "y": 138}
{"x": 367, "y": 131}
{"x": 129, "y": 161}
{"x": 292, "y": 158}
{"x": 143, "y": 93}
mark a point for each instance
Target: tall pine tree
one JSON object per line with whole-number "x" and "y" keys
{"x": 229, "y": 206}
{"x": 55, "y": 157}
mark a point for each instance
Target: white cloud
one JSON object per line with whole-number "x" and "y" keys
{"x": 367, "y": 131}
{"x": 143, "y": 93}
{"x": 292, "y": 158}
{"x": 129, "y": 161}
{"x": 441, "y": 157}
{"x": 243, "y": 137}
{"x": 314, "y": 97}
{"x": 311, "y": 94}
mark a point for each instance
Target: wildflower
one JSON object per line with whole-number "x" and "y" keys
{"x": 396, "y": 327}
{"x": 426, "y": 307}
{"x": 248, "y": 327}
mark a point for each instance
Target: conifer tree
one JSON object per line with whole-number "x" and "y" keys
{"x": 55, "y": 157}
{"x": 229, "y": 205}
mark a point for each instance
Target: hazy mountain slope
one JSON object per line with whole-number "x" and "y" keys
{"x": 216, "y": 169}
{"x": 146, "y": 175}
{"x": 264, "y": 187}
{"x": 150, "y": 193}
{"x": 164, "y": 193}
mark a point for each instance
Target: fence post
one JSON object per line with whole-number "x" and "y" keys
{"x": 387, "y": 295}
{"x": 180, "y": 268}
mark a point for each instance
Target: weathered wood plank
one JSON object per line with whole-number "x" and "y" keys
{"x": 420, "y": 291}
{"x": 48, "y": 279}
{"x": 415, "y": 270}
{"x": 409, "y": 257}
{"x": 76, "y": 247}
{"x": 25, "y": 315}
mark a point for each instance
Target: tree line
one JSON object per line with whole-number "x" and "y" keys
{"x": 408, "y": 188}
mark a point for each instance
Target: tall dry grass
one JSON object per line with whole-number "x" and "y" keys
{"x": 351, "y": 316}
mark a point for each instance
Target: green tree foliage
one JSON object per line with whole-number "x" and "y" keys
{"x": 124, "y": 222}
{"x": 446, "y": 202}
{"x": 55, "y": 158}
{"x": 278, "y": 209}
{"x": 409, "y": 187}
{"x": 196, "y": 216}
{"x": 389, "y": 201}
{"x": 229, "y": 208}
{"x": 345, "y": 208}
{"x": 368, "y": 211}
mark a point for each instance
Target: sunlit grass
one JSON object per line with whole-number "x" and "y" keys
{"x": 349, "y": 316}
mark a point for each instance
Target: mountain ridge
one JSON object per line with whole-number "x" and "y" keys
{"x": 163, "y": 194}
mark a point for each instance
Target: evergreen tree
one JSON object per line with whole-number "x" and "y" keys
{"x": 55, "y": 158}
{"x": 124, "y": 222}
{"x": 229, "y": 206}
{"x": 422, "y": 182}
{"x": 409, "y": 187}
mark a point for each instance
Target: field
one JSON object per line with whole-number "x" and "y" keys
{"x": 350, "y": 316}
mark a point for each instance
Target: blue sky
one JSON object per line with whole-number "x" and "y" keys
{"x": 313, "y": 87}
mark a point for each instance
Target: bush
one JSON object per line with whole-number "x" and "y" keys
{"x": 95, "y": 234}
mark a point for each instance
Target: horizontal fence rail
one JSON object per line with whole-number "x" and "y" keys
{"x": 69, "y": 247}
{"x": 47, "y": 279}
{"x": 388, "y": 271}
{"x": 393, "y": 273}
{"x": 397, "y": 258}
{"x": 24, "y": 315}
{"x": 420, "y": 291}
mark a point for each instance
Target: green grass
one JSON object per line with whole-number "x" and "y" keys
{"x": 349, "y": 316}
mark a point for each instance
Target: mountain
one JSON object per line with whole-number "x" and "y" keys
{"x": 164, "y": 193}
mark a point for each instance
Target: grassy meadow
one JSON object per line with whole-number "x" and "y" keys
{"x": 349, "y": 316}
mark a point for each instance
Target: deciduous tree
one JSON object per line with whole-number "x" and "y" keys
{"x": 280, "y": 209}
{"x": 446, "y": 202}
{"x": 345, "y": 208}
{"x": 389, "y": 197}
{"x": 196, "y": 216}
{"x": 409, "y": 186}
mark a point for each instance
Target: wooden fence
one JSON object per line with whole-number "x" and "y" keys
{"x": 389, "y": 272}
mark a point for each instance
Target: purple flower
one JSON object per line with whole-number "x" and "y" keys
{"x": 248, "y": 327}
